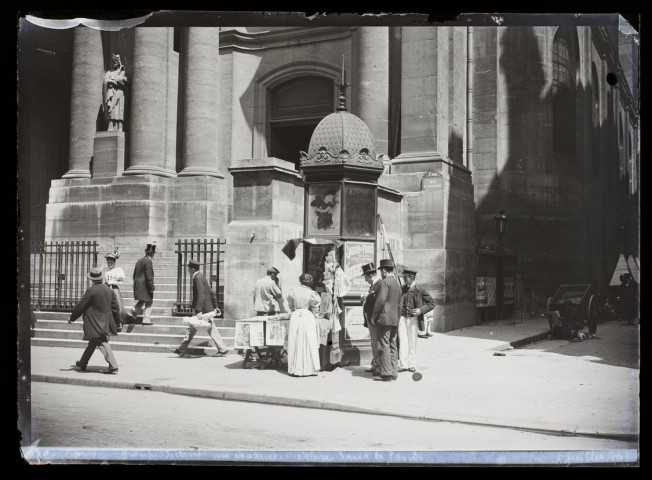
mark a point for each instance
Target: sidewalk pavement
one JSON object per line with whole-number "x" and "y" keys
{"x": 473, "y": 375}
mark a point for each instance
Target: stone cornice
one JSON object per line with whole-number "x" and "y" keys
{"x": 420, "y": 157}
{"x": 244, "y": 41}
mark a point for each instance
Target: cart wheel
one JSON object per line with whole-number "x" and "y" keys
{"x": 548, "y": 304}
{"x": 591, "y": 309}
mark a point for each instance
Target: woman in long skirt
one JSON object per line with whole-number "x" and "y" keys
{"x": 303, "y": 334}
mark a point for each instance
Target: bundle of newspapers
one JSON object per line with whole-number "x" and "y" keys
{"x": 202, "y": 319}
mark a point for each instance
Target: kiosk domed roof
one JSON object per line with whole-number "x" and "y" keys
{"x": 342, "y": 131}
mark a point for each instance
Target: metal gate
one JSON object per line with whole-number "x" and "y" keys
{"x": 58, "y": 273}
{"x": 208, "y": 252}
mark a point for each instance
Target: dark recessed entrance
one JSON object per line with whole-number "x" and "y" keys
{"x": 297, "y": 106}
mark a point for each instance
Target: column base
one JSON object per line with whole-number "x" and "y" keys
{"x": 200, "y": 171}
{"x": 149, "y": 170}
{"x": 78, "y": 173}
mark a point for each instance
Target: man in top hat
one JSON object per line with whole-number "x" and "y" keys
{"x": 202, "y": 302}
{"x": 99, "y": 308}
{"x": 144, "y": 284}
{"x": 385, "y": 318}
{"x": 368, "y": 299}
{"x": 268, "y": 296}
{"x": 415, "y": 302}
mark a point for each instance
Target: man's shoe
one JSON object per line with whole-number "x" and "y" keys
{"x": 110, "y": 370}
{"x": 412, "y": 369}
{"x": 372, "y": 369}
{"x": 428, "y": 334}
{"x": 402, "y": 369}
{"x": 222, "y": 352}
{"x": 79, "y": 365}
{"x": 178, "y": 352}
{"x": 384, "y": 378}
{"x": 147, "y": 323}
{"x": 423, "y": 336}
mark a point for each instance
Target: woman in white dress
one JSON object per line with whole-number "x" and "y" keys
{"x": 303, "y": 334}
{"x": 113, "y": 277}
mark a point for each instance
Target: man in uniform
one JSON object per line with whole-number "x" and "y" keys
{"x": 415, "y": 302}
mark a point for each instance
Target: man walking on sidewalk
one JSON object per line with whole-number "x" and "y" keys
{"x": 415, "y": 302}
{"x": 385, "y": 318}
{"x": 100, "y": 310}
{"x": 202, "y": 302}
{"x": 368, "y": 299}
{"x": 144, "y": 284}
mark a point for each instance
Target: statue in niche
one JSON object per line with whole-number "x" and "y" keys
{"x": 115, "y": 81}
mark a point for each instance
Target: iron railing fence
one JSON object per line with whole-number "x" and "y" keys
{"x": 59, "y": 273}
{"x": 209, "y": 254}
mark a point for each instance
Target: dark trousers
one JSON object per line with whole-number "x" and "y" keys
{"x": 388, "y": 350}
{"x": 103, "y": 344}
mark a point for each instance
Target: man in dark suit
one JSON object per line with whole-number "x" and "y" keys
{"x": 415, "y": 302}
{"x": 100, "y": 310}
{"x": 368, "y": 299}
{"x": 144, "y": 285}
{"x": 202, "y": 302}
{"x": 385, "y": 319}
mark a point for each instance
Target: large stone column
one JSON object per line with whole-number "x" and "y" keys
{"x": 201, "y": 100}
{"x": 149, "y": 103}
{"x": 371, "y": 89}
{"x": 86, "y": 99}
{"x": 425, "y": 96}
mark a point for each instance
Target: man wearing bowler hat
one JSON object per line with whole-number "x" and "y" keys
{"x": 368, "y": 299}
{"x": 385, "y": 319}
{"x": 202, "y": 302}
{"x": 268, "y": 296}
{"x": 100, "y": 310}
{"x": 415, "y": 302}
{"x": 144, "y": 284}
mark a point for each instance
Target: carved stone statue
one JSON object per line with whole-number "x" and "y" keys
{"x": 115, "y": 81}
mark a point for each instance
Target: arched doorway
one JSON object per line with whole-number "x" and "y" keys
{"x": 295, "y": 108}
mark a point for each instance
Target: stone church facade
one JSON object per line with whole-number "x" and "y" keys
{"x": 465, "y": 120}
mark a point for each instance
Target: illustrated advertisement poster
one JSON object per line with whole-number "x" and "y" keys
{"x": 354, "y": 324}
{"x": 276, "y": 332}
{"x": 357, "y": 254}
{"x": 242, "y": 335}
{"x": 359, "y": 211}
{"x": 324, "y": 205}
{"x": 508, "y": 290}
{"x": 485, "y": 291}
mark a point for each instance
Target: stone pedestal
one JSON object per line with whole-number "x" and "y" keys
{"x": 268, "y": 211}
{"x": 108, "y": 154}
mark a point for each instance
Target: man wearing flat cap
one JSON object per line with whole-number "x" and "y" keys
{"x": 368, "y": 299}
{"x": 415, "y": 303}
{"x": 268, "y": 296}
{"x": 202, "y": 302}
{"x": 385, "y": 319}
{"x": 144, "y": 284}
{"x": 100, "y": 309}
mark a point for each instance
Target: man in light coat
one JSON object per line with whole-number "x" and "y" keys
{"x": 202, "y": 302}
{"x": 385, "y": 319}
{"x": 144, "y": 285}
{"x": 100, "y": 310}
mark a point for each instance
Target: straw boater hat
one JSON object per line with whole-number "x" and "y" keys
{"x": 407, "y": 271}
{"x": 273, "y": 270}
{"x": 369, "y": 268}
{"x": 96, "y": 274}
{"x": 386, "y": 263}
{"x": 193, "y": 263}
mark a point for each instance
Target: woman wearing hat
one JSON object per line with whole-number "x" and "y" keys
{"x": 113, "y": 277}
{"x": 303, "y": 332}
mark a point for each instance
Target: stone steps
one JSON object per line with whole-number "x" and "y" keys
{"x": 53, "y": 329}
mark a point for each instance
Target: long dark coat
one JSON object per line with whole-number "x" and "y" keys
{"x": 369, "y": 302}
{"x": 144, "y": 279}
{"x": 202, "y": 300}
{"x": 388, "y": 295}
{"x": 100, "y": 310}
